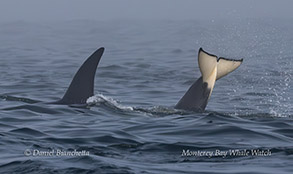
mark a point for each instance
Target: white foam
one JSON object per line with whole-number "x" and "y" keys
{"x": 100, "y": 98}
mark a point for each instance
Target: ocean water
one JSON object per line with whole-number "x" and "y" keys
{"x": 130, "y": 125}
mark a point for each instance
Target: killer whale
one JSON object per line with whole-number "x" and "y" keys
{"x": 82, "y": 84}
{"x": 212, "y": 68}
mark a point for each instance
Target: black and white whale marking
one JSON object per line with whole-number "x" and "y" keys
{"x": 212, "y": 69}
{"x": 82, "y": 85}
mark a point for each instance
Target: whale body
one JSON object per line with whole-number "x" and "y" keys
{"x": 196, "y": 98}
{"x": 212, "y": 68}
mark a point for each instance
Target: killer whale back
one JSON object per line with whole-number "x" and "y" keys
{"x": 82, "y": 85}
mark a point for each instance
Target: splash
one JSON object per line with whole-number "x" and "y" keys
{"x": 100, "y": 98}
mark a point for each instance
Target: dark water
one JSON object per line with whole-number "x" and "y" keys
{"x": 130, "y": 125}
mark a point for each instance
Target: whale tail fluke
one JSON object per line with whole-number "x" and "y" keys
{"x": 82, "y": 85}
{"x": 212, "y": 69}
{"x": 226, "y": 66}
{"x": 209, "y": 63}
{"x": 208, "y": 67}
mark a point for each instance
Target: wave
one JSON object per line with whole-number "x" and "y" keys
{"x": 112, "y": 104}
{"x": 109, "y": 102}
{"x": 33, "y": 108}
{"x": 28, "y": 131}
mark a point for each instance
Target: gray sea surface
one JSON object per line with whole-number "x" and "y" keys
{"x": 131, "y": 125}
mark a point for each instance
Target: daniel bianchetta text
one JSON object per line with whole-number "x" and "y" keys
{"x": 225, "y": 153}
{"x": 55, "y": 152}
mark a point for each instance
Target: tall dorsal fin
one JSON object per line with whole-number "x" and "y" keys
{"x": 82, "y": 85}
{"x": 225, "y": 66}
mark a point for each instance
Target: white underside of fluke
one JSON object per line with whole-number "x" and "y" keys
{"x": 208, "y": 68}
{"x": 213, "y": 68}
{"x": 225, "y": 66}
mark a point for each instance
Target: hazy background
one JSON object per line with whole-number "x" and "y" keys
{"x": 149, "y": 63}
{"x": 52, "y": 10}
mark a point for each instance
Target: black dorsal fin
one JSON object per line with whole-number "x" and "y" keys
{"x": 82, "y": 85}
